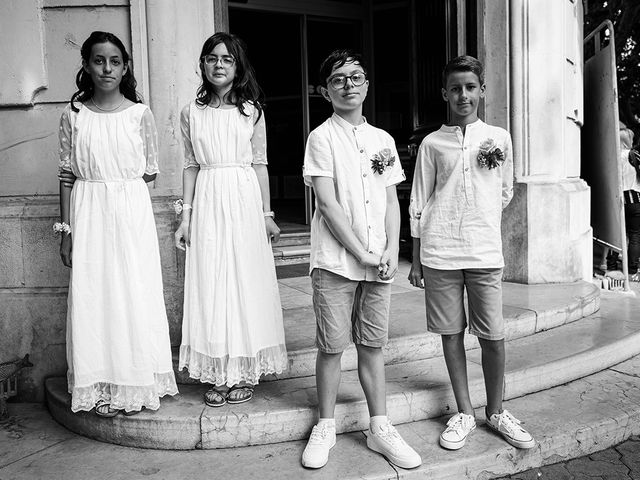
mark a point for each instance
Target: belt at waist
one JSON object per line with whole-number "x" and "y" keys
{"x": 120, "y": 180}
{"x": 224, "y": 165}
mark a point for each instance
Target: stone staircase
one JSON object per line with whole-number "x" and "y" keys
{"x": 292, "y": 248}
{"x": 546, "y": 346}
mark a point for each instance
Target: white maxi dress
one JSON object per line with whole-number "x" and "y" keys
{"x": 118, "y": 346}
{"x": 232, "y": 327}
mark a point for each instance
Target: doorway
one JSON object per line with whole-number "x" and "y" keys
{"x": 405, "y": 42}
{"x": 286, "y": 59}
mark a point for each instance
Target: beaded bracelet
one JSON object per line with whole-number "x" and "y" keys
{"x": 61, "y": 227}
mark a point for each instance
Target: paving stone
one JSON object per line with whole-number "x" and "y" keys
{"x": 597, "y": 469}
{"x": 608, "y": 455}
{"x": 630, "y": 456}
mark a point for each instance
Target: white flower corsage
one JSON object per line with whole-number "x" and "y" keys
{"x": 179, "y": 206}
{"x": 382, "y": 160}
{"x": 60, "y": 227}
{"x": 490, "y": 156}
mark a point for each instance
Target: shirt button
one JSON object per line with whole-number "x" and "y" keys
{"x": 370, "y": 251}
{"x": 366, "y": 201}
{"x": 364, "y": 174}
{"x": 369, "y": 227}
{"x": 362, "y": 151}
{"x": 466, "y": 169}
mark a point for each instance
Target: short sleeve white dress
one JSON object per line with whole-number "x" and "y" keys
{"x": 118, "y": 346}
{"x": 232, "y": 328}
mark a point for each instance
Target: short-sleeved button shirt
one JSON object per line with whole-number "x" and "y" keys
{"x": 345, "y": 153}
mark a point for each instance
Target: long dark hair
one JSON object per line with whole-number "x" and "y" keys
{"x": 83, "y": 79}
{"x": 244, "y": 88}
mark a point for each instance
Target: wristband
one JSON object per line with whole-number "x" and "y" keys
{"x": 269, "y": 214}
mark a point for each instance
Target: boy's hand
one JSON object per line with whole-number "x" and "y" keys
{"x": 388, "y": 266}
{"x": 415, "y": 276}
{"x": 369, "y": 260}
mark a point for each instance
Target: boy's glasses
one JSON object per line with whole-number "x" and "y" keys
{"x": 340, "y": 81}
{"x": 227, "y": 61}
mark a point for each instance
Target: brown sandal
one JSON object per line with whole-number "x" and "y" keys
{"x": 246, "y": 394}
{"x": 215, "y": 398}
{"x": 104, "y": 410}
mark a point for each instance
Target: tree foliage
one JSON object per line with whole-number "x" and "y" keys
{"x": 625, "y": 16}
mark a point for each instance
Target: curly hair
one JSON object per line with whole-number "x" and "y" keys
{"x": 245, "y": 87}
{"x": 336, "y": 59}
{"x": 83, "y": 79}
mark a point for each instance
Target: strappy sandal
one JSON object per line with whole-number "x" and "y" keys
{"x": 104, "y": 410}
{"x": 246, "y": 394}
{"x": 215, "y": 398}
{"x": 132, "y": 412}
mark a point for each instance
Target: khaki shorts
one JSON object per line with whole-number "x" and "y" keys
{"x": 347, "y": 309}
{"x": 444, "y": 298}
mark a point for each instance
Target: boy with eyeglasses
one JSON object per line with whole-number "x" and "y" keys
{"x": 463, "y": 179}
{"x": 353, "y": 168}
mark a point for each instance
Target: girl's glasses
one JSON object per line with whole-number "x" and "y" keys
{"x": 340, "y": 81}
{"x": 227, "y": 61}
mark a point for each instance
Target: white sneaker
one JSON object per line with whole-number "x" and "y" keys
{"x": 316, "y": 453}
{"x": 509, "y": 427}
{"x": 388, "y": 442}
{"x": 458, "y": 428}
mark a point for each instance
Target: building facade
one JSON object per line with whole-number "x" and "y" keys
{"x": 532, "y": 50}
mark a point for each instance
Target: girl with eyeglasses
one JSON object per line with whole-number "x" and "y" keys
{"x": 232, "y": 330}
{"x": 118, "y": 349}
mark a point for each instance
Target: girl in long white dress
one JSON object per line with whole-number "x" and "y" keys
{"x": 232, "y": 330}
{"x": 118, "y": 350}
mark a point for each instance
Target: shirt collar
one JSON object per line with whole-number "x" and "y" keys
{"x": 346, "y": 125}
{"x": 455, "y": 128}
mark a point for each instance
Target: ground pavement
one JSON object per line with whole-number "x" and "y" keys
{"x": 570, "y": 420}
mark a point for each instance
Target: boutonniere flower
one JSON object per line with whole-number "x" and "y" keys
{"x": 381, "y": 160}
{"x": 490, "y": 156}
{"x": 177, "y": 206}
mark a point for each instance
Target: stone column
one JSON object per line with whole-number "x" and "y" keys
{"x": 534, "y": 80}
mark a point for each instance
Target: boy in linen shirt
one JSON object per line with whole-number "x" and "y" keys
{"x": 463, "y": 179}
{"x": 353, "y": 168}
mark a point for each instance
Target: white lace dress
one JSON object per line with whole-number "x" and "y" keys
{"x": 118, "y": 346}
{"x": 232, "y": 327}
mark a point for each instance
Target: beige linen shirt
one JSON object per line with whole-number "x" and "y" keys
{"x": 344, "y": 152}
{"x": 456, "y": 204}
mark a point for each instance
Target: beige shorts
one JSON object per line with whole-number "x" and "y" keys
{"x": 444, "y": 298}
{"x": 348, "y": 309}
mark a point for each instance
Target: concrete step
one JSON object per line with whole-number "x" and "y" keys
{"x": 292, "y": 248}
{"x": 568, "y": 421}
{"x": 416, "y": 390}
{"x": 294, "y": 238}
{"x": 527, "y": 310}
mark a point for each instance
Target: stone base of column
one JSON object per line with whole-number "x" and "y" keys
{"x": 546, "y": 232}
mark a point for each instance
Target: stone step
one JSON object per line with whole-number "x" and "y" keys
{"x": 294, "y": 238}
{"x": 291, "y": 254}
{"x": 545, "y": 306}
{"x": 417, "y": 390}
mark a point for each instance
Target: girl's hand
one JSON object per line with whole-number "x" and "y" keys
{"x": 183, "y": 234}
{"x": 67, "y": 178}
{"x": 415, "y": 275}
{"x": 388, "y": 266}
{"x": 273, "y": 232}
{"x": 65, "y": 249}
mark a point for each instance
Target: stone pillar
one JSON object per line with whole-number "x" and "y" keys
{"x": 534, "y": 89}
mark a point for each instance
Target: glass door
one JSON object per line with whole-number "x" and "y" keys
{"x": 286, "y": 50}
